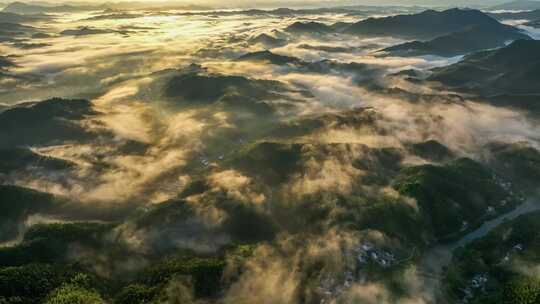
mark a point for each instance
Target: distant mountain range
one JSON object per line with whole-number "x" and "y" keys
{"x": 445, "y": 33}
{"x": 528, "y": 15}
{"x": 25, "y": 8}
{"x": 311, "y": 27}
{"x": 85, "y": 31}
{"x": 31, "y": 8}
{"x": 16, "y": 18}
{"x": 114, "y": 16}
{"x": 517, "y": 5}
{"x": 10, "y": 31}
{"x": 5, "y": 63}
{"x": 362, "y": 73}
{"x": 535, "y": 23}
{"x": 470, "y": 40}
{"x": 427, "y": 25}
{"x": 512, "y": 70}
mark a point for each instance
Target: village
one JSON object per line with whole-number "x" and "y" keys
{"x": 364, "y": 255}
{"x": 479, "y": 281}
{"x": 508, "y": 187}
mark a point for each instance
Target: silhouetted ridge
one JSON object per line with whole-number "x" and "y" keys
{"x": 514, "y": 69}
{"x": 472, "y": 39}
{"x": 270, "y": 57}
{"x": 309, "y": 28}
{"x": 426, "y": 25}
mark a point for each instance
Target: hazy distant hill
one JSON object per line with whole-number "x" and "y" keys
{"x": 360, "y": 72}
{"x": 267, "y": 40}
{"x": 535, "y": 23}
{"x": 514, "y": 69}
{"x": 267, "y": 56}
{"x": 25, "y": 8}
{"x": 310, "y": 28}
{"x": 448, "y": 33}
{"x": 517, "y": 5}
{"x": 5, "y": 63}
{"x": 9, "y": 31}
{"x": 85, "y": 31}
{"x": 426, "y": 25}
{"x": 528, "y": 15}
{"x": 472, "y": 39}
{"x": 114, "y": 16}
{"x": 16, "y": 18}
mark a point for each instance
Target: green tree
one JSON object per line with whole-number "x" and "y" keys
{"x": 76, "y": 292}
{"x": 522, "y": 291}
{"x": 136, "y": 294}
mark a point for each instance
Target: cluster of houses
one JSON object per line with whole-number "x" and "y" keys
{"x": 367, "y": 253}
{"x": 332, "y": 287}
{"x": 507, "y": 186}
{"x": 206, "y": 162}
{"x": 364, "y": 254}
{"x": 477, "y": 283}
{"x": 516, "y": 248}
{"x": 464, "y": 226}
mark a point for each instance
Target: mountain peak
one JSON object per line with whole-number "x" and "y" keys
{"x": 270, "y": 57}
{"x": 426, "y": 25}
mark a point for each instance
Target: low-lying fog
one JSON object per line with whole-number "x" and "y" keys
{"x": 145, "y": 147}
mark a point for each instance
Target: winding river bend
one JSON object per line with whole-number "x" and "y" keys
{"x": 431, "y": 266}
{"x": 529, "y": 206}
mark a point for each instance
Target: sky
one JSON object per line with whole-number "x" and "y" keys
{"x": 281, "y": 3}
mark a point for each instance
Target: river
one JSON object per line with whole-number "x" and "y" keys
{"x": 430, "y": 268}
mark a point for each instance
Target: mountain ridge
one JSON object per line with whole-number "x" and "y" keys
{"x": 514, "y": 69}
{"x": 470, "y": 40}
